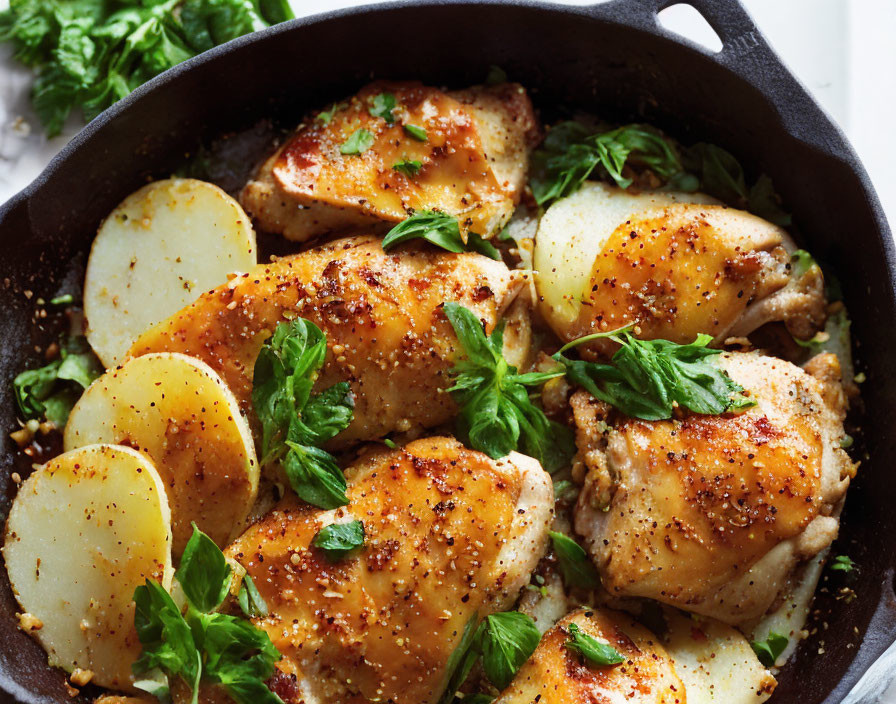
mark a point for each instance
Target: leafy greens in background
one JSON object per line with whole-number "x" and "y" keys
{"x": 648, "y": 378}
{"x": 295, "y": 422}
{"x": 496, "y": 414}
{"x": 51, "y": 391}
{"x": 572, "y": 152}
{"x": 91, "y": 53}
{"x": 199, "y": 644}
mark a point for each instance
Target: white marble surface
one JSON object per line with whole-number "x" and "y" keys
{"x": 842, "y": 50}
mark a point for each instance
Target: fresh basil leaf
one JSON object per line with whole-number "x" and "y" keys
{"x": 417, "y": 133}
{"x": 155, "y": 683}
{"x": 383, "y": 105}
{"x": 314, "y": 476}
{"x": 575, "y": 565}
{"x": 842, "y": 563}
{"x": 339, "y": 540}
{"x": 436, "y": 228}
{"x": 250, "y": 600}
{"x": 496, "y": 414}
{"x": 770, "y": 649}
{"x": 592, "y": 650}
{"x": 461, "y": 660}
{"x": 358, "y": 142}
{"x": 324, "y": 415}
{"x": 648, "y": 378}
{"x": 408, "y": 167}
{"x": 475, "y": 243}
{"x": 276, "y": 11}
{"x": 506, "y": 640}
{"x": 764, "y": 201}
{"x": 203, "y": 573}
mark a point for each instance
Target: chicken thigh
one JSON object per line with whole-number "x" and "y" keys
{"x": 381, "y": 313}
{"x": 712, "y": 513}
{"x": 669, "y": 266}
{"x": 557, "y": 675}
{"x": 451, "y": 536}
{"x": 464, "y": 153}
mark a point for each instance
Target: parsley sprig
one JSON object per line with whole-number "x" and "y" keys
{"x": 648, "y": 378}
{"x": 439, "y": 229}
{"x": 496, "y": 414}
{"x": 572, "y": 152}
{"x": 199, "y": 644}
{"x": 295, "y": 422}
{"x": 91, "y": 53}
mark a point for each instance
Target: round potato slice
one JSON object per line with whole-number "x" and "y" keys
{"x": 156, "y": 252}
{"x": 178, "y": 411}
{"x": 84, "y": 531}
{"x": 572, "y": 233}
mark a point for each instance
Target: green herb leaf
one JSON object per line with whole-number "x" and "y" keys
{"x": 358, "y": 142}
{"x": 326, "y": 116}
{"x": 475, "y": 243}
{"x": 338, "y": 540}
{"x": 770, "y": 649}
{"x": 383, "y": 105}
{"x": 417, "y": 133}
{"x": 496, "y": 414}
{"x": 461, "y": 660}
{"x": 842, "y": 563}
{"x": 594, "y": 652}
{"x": 250, "y": 600}
{"x": 647, "y": 378}
{"x": 390, "y": 444}
{"x": 506, "y": 640}
{"x": 408, "y": 167}
{"x": 203, "y": 573}
{"x": 296, "y": 422}
{"x": 575, "y": 565}
{"x": 439, "y": 229}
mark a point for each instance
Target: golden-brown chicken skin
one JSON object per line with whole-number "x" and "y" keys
{"x": 450, "y": 534}
{"x": 386, "y": 333}
{"x": 684, "y": 269}
{"x": 712, "y": 513}
{"x": 472, "y": 162}
{"x": 557, "y": 675}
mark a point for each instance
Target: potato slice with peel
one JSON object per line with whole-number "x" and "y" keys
{"x": 84, "y": 531}
{"x": 715, "y": 661}
{"x": 178, "y": 411}
{"x": 156, "y": 252}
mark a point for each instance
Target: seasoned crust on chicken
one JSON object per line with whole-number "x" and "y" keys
{"x": 450, "y": 533}
{"x": 711, "y": 513}
{"x": 473, "y": 162}
{"x": 556, "y": 675}
{"x": 386, "y": 333}
{"x": 681, "y": 269}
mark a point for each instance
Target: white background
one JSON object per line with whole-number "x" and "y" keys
{"x": 844, "y": 51}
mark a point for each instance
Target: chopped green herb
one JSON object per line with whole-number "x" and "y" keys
{"x": 801, "y": 262}
{"x": 506, "y": 641}
{"x": 390, "y": 444}
{"x": 496, "y": 414}
{"x": 575, "y": 565}
{"x": 770, "y": 649}
{"x": 383, "y": 105}
{"x": 295, "y": 422}
{"x": 358, "y": 142}
{"x": 847, "y": 441}
{"x": 842, "y": 563}
{"x": 339, "y": 540}
{"x": 51, "y": 391}
{"x": 594, "y": 652}
{"x": 417, "y": 133}
{"x": 201, "y": 645}
{"x": 250, "y": 600}
{"x": 65, "y": 299}
{"x": 326, "y": 116}
{"x": 648, "y": 378}
{"x": 408, "y": 167}
{"x": 439, "y": 229}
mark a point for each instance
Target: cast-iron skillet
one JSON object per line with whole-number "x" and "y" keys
{"x": 611, "y": 59}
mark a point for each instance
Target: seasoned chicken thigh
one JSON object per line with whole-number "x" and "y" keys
{"x": 386, "y": 333}
{"x": 712, "y": 513}
{"x": 468, "y": 151}
{"x": 557, "y": 675}
{"x": 451, "y": 536}
{"x": 672, "y": 267}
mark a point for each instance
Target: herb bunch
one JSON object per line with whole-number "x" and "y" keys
{"x": 91, "y": 53}
{"x": 295, "y": 422}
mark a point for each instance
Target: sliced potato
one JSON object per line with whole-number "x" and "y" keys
{"x": 715, "y": 661}
{"x": 84, "y": 531}
{"x": 572, "y": 233}
{"x": 156, "y": 252}
{"x": 178, "y": 411}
